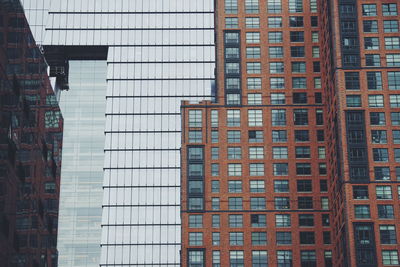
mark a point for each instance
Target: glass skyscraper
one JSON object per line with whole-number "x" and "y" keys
{"x": 159, "y": 53}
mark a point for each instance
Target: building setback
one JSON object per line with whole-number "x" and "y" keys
{"x": 30, "y": 147}
{"x": 297, "y": 162}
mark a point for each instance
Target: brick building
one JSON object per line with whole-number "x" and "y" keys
{"x": 296, "y": 163}
{"x": 30, "y": 147}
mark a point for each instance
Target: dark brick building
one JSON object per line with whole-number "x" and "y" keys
{"x": 297, "y": 162}
{"x": 30, "y": 147}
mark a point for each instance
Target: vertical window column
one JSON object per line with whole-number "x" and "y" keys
{"x": 233, "y": 92}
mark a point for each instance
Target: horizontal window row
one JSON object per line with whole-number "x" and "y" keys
{"x": 374, "y": 101}
{"x": 373, "y": 80}
{"x": 273, "y": 6}
{"x": 255, "y": 83}
{"x": 387, "y": 9}
{"x": 259, "y": 203}
{"x": 381, "y": 192}
{"x": 258, "y": 186}
{"x": 258, "y": 238}
{"x": 389, "y": 26}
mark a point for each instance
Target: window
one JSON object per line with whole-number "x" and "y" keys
{"x": 322, "y": 168}
{"x": 259, "y": 258}
{"x": 258, "y": 220}
{"x": 216, "y": 238}
{"x": 278, "y": 117}
{"x": 231, "y": 23}
{"x": 235, "y": 186}
{"x": 377, "y": 118}
{"x": 374, "y": 80}
{"x": 283, "y": 220}
{"x": 352, "y": 80}
{"x": 315, "y": 37}
{"x": 392, "y": 42}
{"x": 297, "y": 36}
{"x": 369, "y": 10}
{"x": 195, "y": 118}
{"x": 306, "y": 220}
{"x": 380, "y": 154}
{"x": 195, "y": 258}
{"x": 195, "y": 187}
{"x": 371, "y": 43}
{"x": 305, "y": 202}
{"x": 215, "y": 221}
{"x": 375, "y": 101}
{"x": 252, "y": 23}
{"x": 214, "y": 118}
{"x": 317, "y": 66}
{"x": 303, "y": 168}
{"x": 353, "y": 101}
{"x": 195, "y": 221}
{"x": 195, "y": 239}
{"x": 280, "y": 136}
{"x": 276, "y": 67}
{"x": 390, "y": 257}
{"x": 389, "y": 9}
{"x": 320, "y": 136}
{"x": 351, "y": 60}
{"x": 215, "y": 186}
{"x": 396, "y": 136}
{"x": 275, "y": 37}
{"x": 256, "y": 152}
{"x": 275, "y": 52}
{"x": 308, "y": 258}
{"x": 281, "y": 186}
{"x": 231, "y": 7}
{"x": 231, "y": 38}
{"x": 195, "y": 169}
{"x": 300, "y": 116}
{"x": 280, "y": 169}
{"x": 303, "y": 152}
{"x": 304, "y": 186}
{"x": 235, "y": 203}
{"x": 234, "y": 169}
{"x": 216, "y": 258}
{"x": 253, "y": 52}
{"x": 258, "y": 238}
{"x": 390, "y": 26}
{"x": 256, "y": 169}
{"x": 257, "y": 203}
{"x": 251, "y": 6}
{"x": 362, "y": 211}
{"x": 256, "y": 136}
{"x": 50, "y": 187}
{"x": 301, "y": 136}
{"x": 235, "y": 220}
{"x": 257, "y": 186}
{"x": 296, "y": 22}
{"x": 394, "y": 101}
{"x": 274, "y": 6}
{"x": 215, "y": 169}
{"x": 393, "y": 60}
{"x": 360, "y": 192}
{"x": 236, "y": 239}
{"x": 234, "y": 152}
{"x": 299, "y": 83}
{"x": 214, "y": 136}
{"x": 314, "y": 21}
{"x": 297, "y": 51}
{"x": 382, "y": 173}
{"x": 388, "y": 234}
{"x": 307, "y": 238}
{"x": 215, "y": 203}
{"x": 282, "y": 203}
{"x": 255, "y": 117}
{"x": 233, "y": 118}
{"x": 299, "y": 67}
{"x": 385, "y": 212}
{"x": 313, "y": 6}
{"x": 295, "y": 6}
{"x": 372, "y": 60}
{"x": 383, "y": 192}
{"x": 252, "y": 37}
{"x": 280, "y": 152}
{"x": 233, "y": 99}
{"x": 394, "y": 80}
{"x": 274, "y": 22}
{"x": 232, "y": 68}
{"x": 253, "y": 67}
{"x": 253, "y": 83}
{"x": 321, "y": 152}
{"x": 195, "y": 203}
{"x": 323, "y": 185}
{"x": 284, "y": 258}
{"x": 283, "y": 238}
{"x": 232, "y": 53}
{"x": 379, "y": 137}
{"x": 254, "y": 99}
{"x": 278, "y": 98}
{"x": 236, "y": 258}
